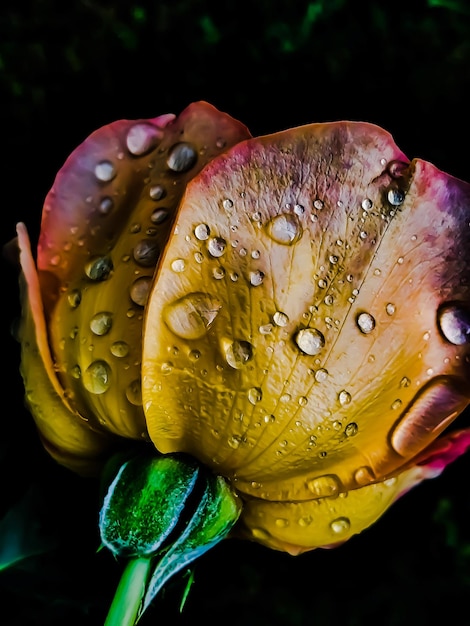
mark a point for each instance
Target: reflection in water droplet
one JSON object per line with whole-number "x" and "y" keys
{"x": 119, "y": 349}
{"x": 238, "y": 353}
{"x": 280, "y": 318}
{"x": 318, "y": 204}
{"x": 310, "y": 341}
{"x": 191, "y": 316}
{"x": 216, "y": 246}
{"x": 96, "y": 378}
{"x": 105, "y": 171}
{"x": 454, "y": 322}
{"x": 101, "y": 323}
{"x": 284, "y": 229}
{"x": 351, "y": 429}
{"x": 366, "y": 204}
{"x": 146, "y": 252}
{"x": 366, "y": 322}
{"x": 340, "y": 525}
{"x": 344, "y": 397}
{"x": 181, "y": 157}
{"x": 325, "y": 486}
{"x": 395, "y": 197}
{"x": 134, "y": 392}
{"x": 142, "y": 138}
{"x": 256, "y": 278}
{"x": 255, "y": 395}
{"x": 140, "y": 289}
{"x": 99, "y": 268}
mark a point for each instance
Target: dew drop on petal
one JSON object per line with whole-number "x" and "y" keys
{"x": 202, "y": 232}
{"x": 256, "y": 278}
{"x": 105, "y": 171}
{"x": 255, "y": 395}
{"x": 390, "y": 308}
{"x": 238, "y": 353}
{"x": 351, "y": 429}
{"x": 96, "y": 378}
{"x": 324, "y": 486}
{"x": 280, "y": 318}
{"x": 366, "y": 204}
{"x": 119, "y": 349}
{"x": 99, "y": 268}
{"x": 134, "y": 392}
{"x": 395, "y": 197}
{"x": 181, "y": 157}
{"x": 191, "y": 316}
{"x": 146, "y": 252}
{"x": 340, "y": 525}
{"x": 284, "y": 229}
{"x": 74, "y": 298}
{"x": 140, "y": 289}
{"x": 364, "y": 475}
{"x": 159, "y": 216}
{"x": 142, "y": 138}
{"x": 101, "y": 323}
{"x": 216, "y": 246}
{"x": 310, "y": 340}
{"x": 321, "y": 375}
{"x": 454, "y": 323}
{"x": 178, "y": 265}
{"x": 366, "y": 322}
{"x": 106, "y": 205}
{"x": 344, "y": 397}
{"x": 157, "y": 192}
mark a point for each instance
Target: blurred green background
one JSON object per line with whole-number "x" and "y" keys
{"x": 67, "y": 68}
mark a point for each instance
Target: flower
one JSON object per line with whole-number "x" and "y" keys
{"x": 291, "y": 310}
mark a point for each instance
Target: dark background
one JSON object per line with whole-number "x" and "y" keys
{"x": 67, "y": 68}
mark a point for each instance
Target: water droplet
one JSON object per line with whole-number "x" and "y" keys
{"x": 139, "y": 291}
{"x": 390, "y": 308}
{"x": 227, "y": 204}
{"x": 280, "y": 318}
{"x": 351, "y": 429}
{"x": 159, "y": 216}
{"x": 344, "y": 397}
{"x": 364, "y": 475}
{"x": 310, "y": 341}
{"x": 181, "y": 157}
{"x": 303, "y": 400}
{"x": 74, "y": 298}
{"x": 119, "y": 349}
{"x": 202, "y": 232}
{"x": 218, "y": 272}
{"x": 101, "y": 323}
{"x": 318, "y": 204}
{"x": 321, "y": 375}
{"x": 142, "y": 138}
{"x": 99, "y": 268}
{"x": 366, "y": 322}
{"x": 265, "y": 329}
{"x": 191, "y": 316}
{"x": 256, "y": 278}
{"x": 76, "y": 372}
{"x": 105, "y": 171}
{"x": 134, "y": 392}
{"x": 178, "y": 265}
{"x": 234, "y": 441}
{"x": 146, "y": 252}
{"x": 405, "y": 382}
{"x": 366, "y": 204}
{"x": 395, "y": 197}
{"x": 96, "y": 378}
{"x": 106, "y": 205}
{"x": 340, "y": 525}
{"x": 454, "y": 322}
{"x": 157, "y": 192}
{"x": 216, "y": 246}
{"x": 325, "y": 486}
{"x": 284, "y": 229}
{"x": 238, "y": 353}
{"x": 396, "y": 404}
{"x": 432, "y": 409}
{"x": 255, "y": 395}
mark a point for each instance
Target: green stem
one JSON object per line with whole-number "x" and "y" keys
{"x": 129, "y": 593}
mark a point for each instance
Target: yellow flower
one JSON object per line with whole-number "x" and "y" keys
{"x": 291, "y": 310}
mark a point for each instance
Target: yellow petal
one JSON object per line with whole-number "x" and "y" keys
{"x": 65, "y": 434}
{"x": 316, "y": 313}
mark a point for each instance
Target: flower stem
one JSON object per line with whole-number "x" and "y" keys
{"x": 129, "y": 593}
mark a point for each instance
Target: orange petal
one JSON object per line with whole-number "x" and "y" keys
{"x": 316, "y": 308}
{"x": 66, "y": 436}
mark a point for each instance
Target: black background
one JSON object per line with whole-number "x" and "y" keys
{"x": 67, "y": 68}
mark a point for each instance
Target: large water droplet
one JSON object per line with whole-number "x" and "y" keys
{"x": 134, "y": 392}
{"x": 146, "y": 252}
{"x": 159, "y": 216}
{"x": 366, "y": 322}
{"x": 238, "y": 353}
{"x": 280, "y": 318}
{"x": 340, "y": 525}
{"x": 216, "y": 246}
{"x": 310, "y": 341}
{"x": 202, "y": 232}
{"x": 325, "y": 486}
{"x": 182, "y": 157}
{"x": 395, "y": 197}
{"x": 191, "y": 316}
{"x": 101, "y": 323}
{"x": 99, "y": 268}
{"x": 142, "y": 138}
{"x": 430, "y": 412}
{"x": 454, "y": 322}
{"x": 256, "y": 278}
{"x": 284, "y": 229}
{"x": 96, "y": 378}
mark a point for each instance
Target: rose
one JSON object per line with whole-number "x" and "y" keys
{"x": 290, "y": 310}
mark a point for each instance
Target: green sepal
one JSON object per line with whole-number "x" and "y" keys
{"x": 217, "y": 511}
{"x": 144, "y": 502}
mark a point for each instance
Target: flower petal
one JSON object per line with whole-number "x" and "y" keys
{"x": 317, "y": 326}
{"x": 65, "y": 435}
{"x": 104, "y": 224}
{"x": 297, "y": 527}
